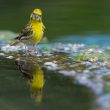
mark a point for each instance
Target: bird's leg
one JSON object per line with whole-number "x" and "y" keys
{"x": 32, "y": 49}
{"x": 35, "y": 47}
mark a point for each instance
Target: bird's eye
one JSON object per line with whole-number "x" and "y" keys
{"x": 33, "y": 13}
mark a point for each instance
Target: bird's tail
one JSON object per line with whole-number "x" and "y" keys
{"x": 15, "y": 42}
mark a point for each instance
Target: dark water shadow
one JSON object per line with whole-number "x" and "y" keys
{"x": 51, "y": 90}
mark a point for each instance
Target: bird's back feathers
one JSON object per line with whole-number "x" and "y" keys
{"x": 25, "y": 33}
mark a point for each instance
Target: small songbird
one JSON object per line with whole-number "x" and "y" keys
{"x": 35, "y": 77}
{"x": 34, "y": 30}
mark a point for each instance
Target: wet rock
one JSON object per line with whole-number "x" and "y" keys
{"x": 8, "y": 48}
{"x": 67, "y": 73}
{"x": 2, "y": 54}
{"x": 51, "y": 65}
{"x": 10, "y": 57}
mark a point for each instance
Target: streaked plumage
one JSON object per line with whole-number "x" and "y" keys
{"x": 34, "y": 30}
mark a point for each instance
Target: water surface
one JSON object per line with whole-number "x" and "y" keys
{"x": 82, "y": 82}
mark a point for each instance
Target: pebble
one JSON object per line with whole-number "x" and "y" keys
{"x": 2, "y": 54}
{"x": 10, "y": 57}
{"x": 50, "y": 64}
{"x": 67, "y": 73}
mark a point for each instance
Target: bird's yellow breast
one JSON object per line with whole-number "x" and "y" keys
{"x": 38, "y": 80}
{"x": 38, "y": 30}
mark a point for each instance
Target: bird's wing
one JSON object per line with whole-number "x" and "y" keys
{"x": 25, "y": 33}
{"x": 44, "y": 27}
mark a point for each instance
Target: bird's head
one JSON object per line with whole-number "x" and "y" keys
{"x": 36, "y": 15}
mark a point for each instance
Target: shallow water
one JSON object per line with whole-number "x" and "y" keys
{"x": 58, "y": 92}
{"x": 59, "y": 76}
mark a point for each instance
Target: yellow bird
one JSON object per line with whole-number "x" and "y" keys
{"x": 37, "y": 84}
{"x": 34, "y": 30}
{"x": 35, "y": 77}
{"x": 38, "y": 79}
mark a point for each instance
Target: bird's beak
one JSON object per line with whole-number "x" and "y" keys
{"x": 37, "y": 17}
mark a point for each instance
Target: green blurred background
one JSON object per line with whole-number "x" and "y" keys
{"x": 61, "y": 17}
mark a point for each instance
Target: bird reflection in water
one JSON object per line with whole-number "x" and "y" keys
{"x": 35, "y": 77}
